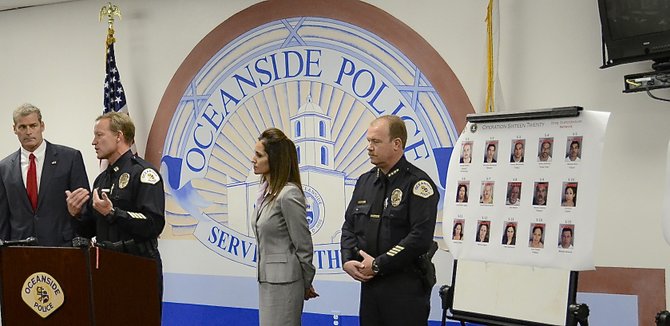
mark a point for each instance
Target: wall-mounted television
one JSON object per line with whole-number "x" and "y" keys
{"x": 635, "y": 30}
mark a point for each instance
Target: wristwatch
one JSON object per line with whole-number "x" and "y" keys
{"x": 375, "y": 267}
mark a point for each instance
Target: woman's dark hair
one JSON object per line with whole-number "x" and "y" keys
{"x": 282, "y": 159}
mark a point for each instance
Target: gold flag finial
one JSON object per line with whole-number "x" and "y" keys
{"x": 109, "y": 10}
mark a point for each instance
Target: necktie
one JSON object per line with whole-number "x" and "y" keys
{"x": 376, "y": 212}
{"x": 31, "y": 183}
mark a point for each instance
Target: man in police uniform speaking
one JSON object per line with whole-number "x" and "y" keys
{"x": 388, "y": 229}
{"x": 126, "y": 211}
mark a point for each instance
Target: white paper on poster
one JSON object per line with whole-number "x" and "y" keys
{"x": 550, "y": 189}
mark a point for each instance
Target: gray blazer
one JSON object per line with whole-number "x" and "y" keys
{"x": 63, "y": 169}
{"x": 285, "y": 246}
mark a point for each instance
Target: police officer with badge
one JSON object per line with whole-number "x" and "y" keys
{"x": 388, "y": 230}
{"x": 126, "y": 210}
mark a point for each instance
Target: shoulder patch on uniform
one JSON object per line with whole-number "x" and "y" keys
{"x": 149, "y": 176}
{"x": 423, "y": 189}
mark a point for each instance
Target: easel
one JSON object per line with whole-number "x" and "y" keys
{"x": 576, "y": 314}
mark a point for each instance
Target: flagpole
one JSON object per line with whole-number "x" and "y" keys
{"x": 114, "y": 95}
{"x": 490, "y": 68}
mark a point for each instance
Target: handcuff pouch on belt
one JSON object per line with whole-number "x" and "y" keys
{"x": 426, "y": 268}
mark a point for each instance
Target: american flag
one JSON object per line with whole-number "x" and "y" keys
{"x": 115, "y": 97}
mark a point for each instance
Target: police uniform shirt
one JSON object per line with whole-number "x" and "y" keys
{"x": 406, "y": 223}
{"x": 138, "y": 198}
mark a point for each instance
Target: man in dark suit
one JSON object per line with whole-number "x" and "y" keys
{"x": 42, "y": 212}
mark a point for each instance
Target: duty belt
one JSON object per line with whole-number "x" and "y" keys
{"x": 147, "y": 248}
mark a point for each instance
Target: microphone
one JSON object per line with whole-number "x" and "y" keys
{"x": 29, "y": 241}
{"x": 81, "y": 242}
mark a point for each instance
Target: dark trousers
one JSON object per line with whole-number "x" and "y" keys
{"x": 398, "y": 299}
{"x": 156, "y": 256}
{"x": 159, "y": 267}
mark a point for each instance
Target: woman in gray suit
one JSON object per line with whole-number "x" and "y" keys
{"x": 285, "y": 249}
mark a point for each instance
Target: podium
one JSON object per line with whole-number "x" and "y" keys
{"x": 96, "y": 286}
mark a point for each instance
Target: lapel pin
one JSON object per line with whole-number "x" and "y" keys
{"x": 53, "y": 163}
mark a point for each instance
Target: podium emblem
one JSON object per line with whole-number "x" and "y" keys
{"x": 42, "y": 293}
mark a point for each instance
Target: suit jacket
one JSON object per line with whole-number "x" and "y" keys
{"x": 285, "y": 246}
{"x": 51, "y": 224}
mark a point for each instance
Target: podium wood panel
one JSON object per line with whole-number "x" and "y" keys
{"x": 125, "y": 289}
{"x": 100, "y": 287}
{"x": 67, "y": 265}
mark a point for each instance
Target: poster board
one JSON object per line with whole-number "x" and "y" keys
{"x": 518, "y": 282}
{"x": 540, "y": 211}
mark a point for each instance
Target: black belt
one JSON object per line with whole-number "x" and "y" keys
{"x": 147, "y": 248}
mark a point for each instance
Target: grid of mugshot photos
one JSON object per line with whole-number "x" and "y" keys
{"x": 543, "y": 152}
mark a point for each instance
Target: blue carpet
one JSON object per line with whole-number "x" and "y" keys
{"x": 177, "y": 314}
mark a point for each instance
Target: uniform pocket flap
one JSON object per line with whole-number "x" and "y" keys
{"x": 362, "y": 209}
{"x": 276, "y": 258}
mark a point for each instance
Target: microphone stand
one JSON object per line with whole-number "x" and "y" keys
{"x": 29, "y": 241}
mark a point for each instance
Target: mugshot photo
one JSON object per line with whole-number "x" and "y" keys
{"x": 462, "y": 192}
{"x": 540, "y": 193}
{"x": 486, "y": 197}
{"x": 491, "y": 152}
{"x": 545, "y": 149}
{"x": 483, "y": 231}
{"x": 569, "y": 196}
{"x": 536, "y": 239}
{"x": 518, "y": 151}
{"x": 513, "y": 194}
{"x": 466, "y": 152}
{"x": 566, "y": 238}
{"x": 573, "y": 149}
{"x": 509, "y": 235}
{"x": 457, "y": 230}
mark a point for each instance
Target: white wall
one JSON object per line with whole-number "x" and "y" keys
{"x": 53, "y": 57}
{"x": 550, "y": 54}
